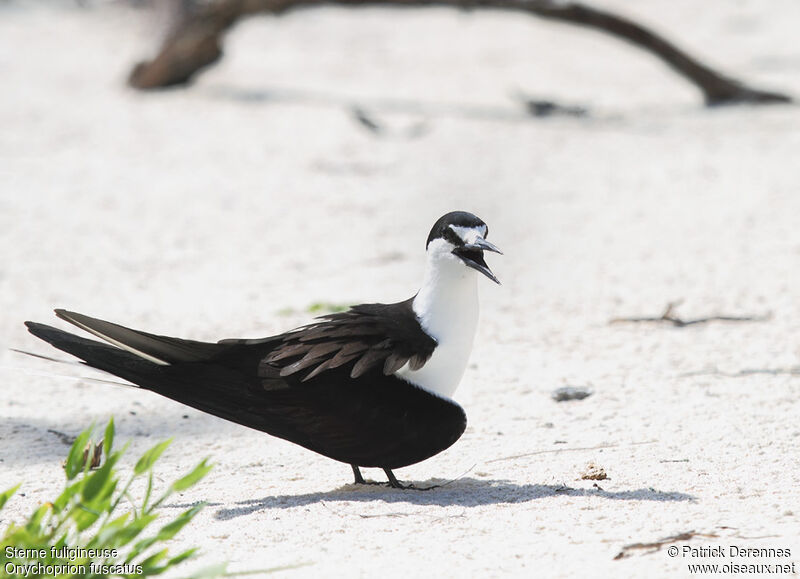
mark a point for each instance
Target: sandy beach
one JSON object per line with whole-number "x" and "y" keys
{"x": 233, "y": 207}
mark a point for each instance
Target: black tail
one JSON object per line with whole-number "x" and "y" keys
{"x": 93, "y": 353}
{"x": 205, "y": 385}
{"x": 158, "y": 349}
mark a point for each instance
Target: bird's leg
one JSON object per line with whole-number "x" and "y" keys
{"x": 357, "y": 473}
{"x": 396, "y": 484}
{"x": 360, "y": 479}
{"x": 393, "y": 482}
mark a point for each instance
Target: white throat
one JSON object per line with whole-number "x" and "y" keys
{"x": 447, "y": 308}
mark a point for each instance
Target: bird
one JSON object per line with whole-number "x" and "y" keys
{"x": 371, "y": 386}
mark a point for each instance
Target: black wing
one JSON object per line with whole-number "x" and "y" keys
{"x": 365, "y": 339}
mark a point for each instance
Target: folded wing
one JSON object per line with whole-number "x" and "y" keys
{"x": 367, "y": 338}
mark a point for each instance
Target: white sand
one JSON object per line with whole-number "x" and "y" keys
{"x": 206, "y": 213}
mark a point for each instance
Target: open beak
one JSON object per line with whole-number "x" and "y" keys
{"x": 472, "y": 256}
{"x": 481, "y": 243}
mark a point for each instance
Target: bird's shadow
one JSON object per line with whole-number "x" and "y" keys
{"x": 30, "y": 440}
{"x": 50, "y": 442}
{"x": 464, "y": 492}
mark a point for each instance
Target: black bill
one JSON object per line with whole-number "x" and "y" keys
{"x": 472, "y": 256}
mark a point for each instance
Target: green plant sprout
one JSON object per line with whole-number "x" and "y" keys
{"x": 82, "y": 533}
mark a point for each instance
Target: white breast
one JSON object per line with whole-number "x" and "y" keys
{"x": 447, "y": 307}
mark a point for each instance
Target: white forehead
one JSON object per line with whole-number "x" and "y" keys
{"x": 469, "y": 234}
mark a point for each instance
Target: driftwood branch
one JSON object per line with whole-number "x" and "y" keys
{"x": 670, "y": 317}
{"x": 792, "y": 371}
{"x": 197, "y": 40}
{"x": 572, "y": 449}
{"x": 653, "y": 546}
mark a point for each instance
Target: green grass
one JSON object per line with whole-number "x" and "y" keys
{"x": 95, "y": 528}
{"x": 317, "y": 308}
{"x": 326, "y": 308}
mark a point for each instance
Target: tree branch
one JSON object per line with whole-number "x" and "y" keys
{"x": 653, "y": 546}
{"x": 196, "y": 42}
{"x": 670, "y": 317}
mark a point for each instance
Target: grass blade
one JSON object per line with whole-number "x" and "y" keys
{"x": 193, "y": 477}
{"x": 150, "y": 457}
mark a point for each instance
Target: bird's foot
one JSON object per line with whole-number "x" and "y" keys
{"x": 396, "y": 484}
{"x": 393, "y": 482}
{"x": 359, "y": 478}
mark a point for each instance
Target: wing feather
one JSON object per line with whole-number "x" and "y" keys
{"x": 367, "y": 361}
{"x": 321, "y": 368}
{"x": 351, "y": 348}
{"x": 301, "y": 364}
{"x": 340, "y": 360}
{"x": 416, "y": 362}
{"x": 288, "y": 351}
{"x": 367, "y": 338}
{"x": 323, "y": 349}
{"x": 394, "y": 362}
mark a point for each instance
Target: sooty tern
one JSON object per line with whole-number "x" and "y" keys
{"x": 370, "y": 387}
